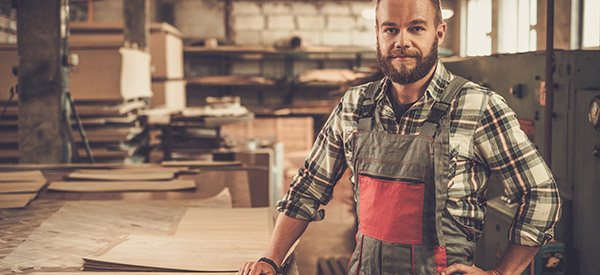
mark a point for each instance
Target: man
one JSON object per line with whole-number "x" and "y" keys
{"x": 421, "y": 146}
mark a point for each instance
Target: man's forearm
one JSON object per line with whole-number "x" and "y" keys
{"x": 516, "y": 258}
{"x": 287, "y": 230}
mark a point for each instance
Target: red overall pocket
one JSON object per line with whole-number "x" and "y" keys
{"x": 391, "y": 211}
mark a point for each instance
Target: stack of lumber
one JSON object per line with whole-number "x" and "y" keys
{"x": 192, "y": 133}
{"x": 206, "y": 240}
{"x": 18, "y": 188}
{"x": 113, "y": 130}
{"x": 125, "y": 179}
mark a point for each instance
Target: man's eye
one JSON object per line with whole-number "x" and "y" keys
{"x": 418, "y": 29}
{"x": 391, "y": 31}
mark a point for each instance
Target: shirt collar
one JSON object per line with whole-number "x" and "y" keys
{"x": 440, "y": 79}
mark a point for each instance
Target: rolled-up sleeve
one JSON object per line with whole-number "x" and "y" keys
{"x": 527, "y": 179}
{"x": 313, "y": 185}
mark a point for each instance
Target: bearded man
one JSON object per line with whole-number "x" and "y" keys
{"x": 421, "y": 145}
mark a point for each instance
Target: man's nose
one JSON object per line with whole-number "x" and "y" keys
{"x": 402, "y": 40}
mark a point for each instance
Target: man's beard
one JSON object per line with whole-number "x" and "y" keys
{"x": 405, "y": 75}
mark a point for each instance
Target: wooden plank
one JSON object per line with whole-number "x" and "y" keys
{"x": 199, "y": 163}
{"x": 108, "y": 186}
{"x": 21, "y": 187}
{"x": 141, "y": 170}
{"x": 15, "y": 200}
{"x": 122, "y": 176}
{"x": 21, "y": 176}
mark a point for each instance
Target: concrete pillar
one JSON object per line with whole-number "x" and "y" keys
{"x": 42, "y": 125}
{"x": 136, "y": 29}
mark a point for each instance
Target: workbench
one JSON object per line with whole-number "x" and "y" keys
{"x": 57, "y": 229}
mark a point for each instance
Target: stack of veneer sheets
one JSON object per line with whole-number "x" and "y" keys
{"x": 121, "y": 180}
{"x": 18, "y": 188}
{"x": 206, "y": 240}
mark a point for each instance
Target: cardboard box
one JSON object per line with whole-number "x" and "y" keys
{"x": 97, "y": 76}
{"x": 166, "y": 46}
{"x": 169, "y": 93}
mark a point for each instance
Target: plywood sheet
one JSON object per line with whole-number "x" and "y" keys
{"x": 123, "y": 175}
{"x": 226, "y": 223}
{"x": 15, "y": 200}
{"x": 207, "y": 239}
{"x": 107, "y": 186}
{"x": 200, "y": 163}
{"x": 21, "y": 187}
{"x": 185, "y": 254}
{"x": 35, "y": 175}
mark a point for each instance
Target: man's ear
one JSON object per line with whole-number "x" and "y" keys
{"x": 441, "y": 32}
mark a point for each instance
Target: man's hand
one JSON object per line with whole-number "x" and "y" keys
{"x": 256, "y": 268}
{"x": 468, "y": 270}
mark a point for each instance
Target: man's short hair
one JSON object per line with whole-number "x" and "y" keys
{"x": 438, "y": 10}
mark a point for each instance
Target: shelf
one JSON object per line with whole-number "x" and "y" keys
{"x": 229, "y": 80}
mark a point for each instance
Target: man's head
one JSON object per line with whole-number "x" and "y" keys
{"x": 408, "y": 35}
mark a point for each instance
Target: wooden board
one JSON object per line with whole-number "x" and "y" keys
{"x": 206, "y": 239}
{"x": 21, "y": 187}
{"x": 122, "y": 176}
{"x": 200, "y": 163}
{"x": 185, "y": 254}
{"x": 35, "y": 175}
{"x": 257, "y": 224}
{"x": 15, "y": 200}
{"x": 141, "y": 170}
{"x": 107, "y": 186}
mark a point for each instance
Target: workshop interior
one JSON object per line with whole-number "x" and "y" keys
{"x": 158, "y": 135}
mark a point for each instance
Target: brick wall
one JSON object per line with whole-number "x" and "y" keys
{"x": 318, "y": 24}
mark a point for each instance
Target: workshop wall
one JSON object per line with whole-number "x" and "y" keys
{"x": 316, "y": 23}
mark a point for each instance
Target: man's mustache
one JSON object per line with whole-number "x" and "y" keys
{"x": 403, "y": 53}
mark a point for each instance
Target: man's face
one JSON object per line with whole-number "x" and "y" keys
{"x": 407, "y": 39}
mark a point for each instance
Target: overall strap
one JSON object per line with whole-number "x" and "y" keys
{"x": 441, "y": 107}
{"x": 365, "y": 121}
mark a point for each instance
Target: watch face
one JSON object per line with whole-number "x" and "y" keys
{"x": 594, "y": 114}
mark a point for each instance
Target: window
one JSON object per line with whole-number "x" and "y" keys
{"x": 478, "y": 27}
{"x": 518, "y": 19}
{"x": 591, "y": 23}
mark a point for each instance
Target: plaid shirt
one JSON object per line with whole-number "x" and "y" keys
{"x": 485, "y": 141}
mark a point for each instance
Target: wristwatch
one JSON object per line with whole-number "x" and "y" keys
{"x": 270, "y": 262}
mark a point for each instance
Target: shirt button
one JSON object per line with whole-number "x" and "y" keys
{"x": 469, "y": 238}
{"x": 469, "y": 259}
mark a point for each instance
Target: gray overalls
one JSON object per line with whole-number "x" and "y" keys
{"x": 401, "y": 192}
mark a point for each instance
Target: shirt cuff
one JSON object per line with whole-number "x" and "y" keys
{"x": 525, "y": 234}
